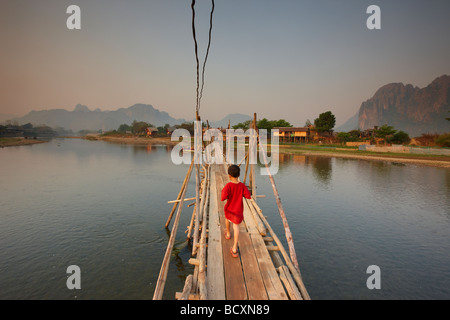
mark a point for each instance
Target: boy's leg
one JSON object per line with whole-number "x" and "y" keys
{"x": 236, "y": 237}
{"x": 227, "y": 226}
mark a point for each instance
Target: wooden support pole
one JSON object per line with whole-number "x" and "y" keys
{"x": 246, "y": 165}
{"x": 187, "y": 288}
{"x": 161, "y": 282}
{"x": 189, "y": 231}
{"x": 287, "y": 230}
{"x": 253, "y": 169}
{"x": 188, "y": 174}
{"x": 199, "y": 215}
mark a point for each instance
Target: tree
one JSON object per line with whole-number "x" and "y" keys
{"x": 443, "y": 140}
{"x": 355, "y": 134}
{"x": 139, "y": 127}
{"x": 343, "y": 136}
{"x": 243, "y": 125}
{"x": 264, "y": 124}
{"x": 123, "y": 128}
{"x": 189, "y": 126}
{"x": 325, "y": 122}
{"x": 281, "y": 123}
{"x": 385, "y": 132}
{"x": 400, "y": 137}
{"x": 161, "y": 130}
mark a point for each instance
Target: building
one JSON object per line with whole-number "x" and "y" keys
{"x": 151, "y": 131}
{"x": 294, "y": 134}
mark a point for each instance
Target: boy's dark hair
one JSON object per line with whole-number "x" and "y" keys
{"x": 234, "y": 171}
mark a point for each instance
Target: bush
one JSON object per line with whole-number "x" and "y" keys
{"x": 443, "y": 140}
{"x": 400, "y": 137}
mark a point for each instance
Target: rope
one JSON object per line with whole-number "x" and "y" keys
{"x": 200, "y": 90}
{"x": 197, "y": 106}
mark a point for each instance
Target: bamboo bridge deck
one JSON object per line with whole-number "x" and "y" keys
{"x": 263, "y": 270}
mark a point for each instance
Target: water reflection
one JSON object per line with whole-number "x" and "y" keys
{"x": 322, "y": 167}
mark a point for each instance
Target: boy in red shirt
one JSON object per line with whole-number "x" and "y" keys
{"x": 234, "y": 191}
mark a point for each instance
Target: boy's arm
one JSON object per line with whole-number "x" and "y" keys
{"x": 247, "y": 194}
{"x": 224, "y": 193}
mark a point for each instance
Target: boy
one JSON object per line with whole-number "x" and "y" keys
{"x": 234, "y": 208}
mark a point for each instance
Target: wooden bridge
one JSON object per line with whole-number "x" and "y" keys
{"x": 263, "y": 271}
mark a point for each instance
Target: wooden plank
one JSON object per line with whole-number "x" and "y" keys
{"x": 234, "y": 278}
{"x": 273, "y": 285}
{"x": 289, "y": 283}
{"x": 215, "y": 273}
{"x": 259, "y": 224}
{"x": 253, "y": 279}
{"x": 294, "y": 271}
{"x": 272, "y": 282}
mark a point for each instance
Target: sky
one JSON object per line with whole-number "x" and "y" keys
{"x": 285, "y": 59}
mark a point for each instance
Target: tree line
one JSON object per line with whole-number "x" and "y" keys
{"x": 26, "y": 130}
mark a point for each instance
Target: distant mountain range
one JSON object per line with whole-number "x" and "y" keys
{"x": 82, "y": 118}
{"x": 406, "y": 108}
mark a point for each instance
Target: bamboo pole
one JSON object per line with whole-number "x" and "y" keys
{"x": 294, "y": 270}
{"x": 191, "y": 224}
{"x": 197, "y": 153}
{"x": 202, "y": 252}
{"x": 187, "y": 288}
{"x": 178, "y": 200}
{"x": 287, "y": 230}
{"x": 246, "y": 165}
{"x": 252, "y": 171}
{"x": 199, "y": 214}
{"x": 179, "y": 194}
{"x": 161, "y": 282}
{"x": 204, "y": 228}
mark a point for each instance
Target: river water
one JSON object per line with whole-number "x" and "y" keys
{"x": 103, "y": 207}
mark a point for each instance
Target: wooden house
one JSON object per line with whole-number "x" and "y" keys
{"x": 293, "y": 134}
{"x": 151, "y": 131}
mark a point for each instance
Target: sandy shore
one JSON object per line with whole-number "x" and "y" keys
{"x": 135, "y": 140}
{"x": 13, "y": 142}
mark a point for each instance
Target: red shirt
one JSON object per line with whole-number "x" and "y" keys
{"x": 234, "y": 208}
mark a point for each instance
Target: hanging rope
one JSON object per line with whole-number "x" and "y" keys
{"x": 200, "y": 89}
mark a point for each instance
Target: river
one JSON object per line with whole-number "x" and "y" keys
{"x": 103, "y": 206}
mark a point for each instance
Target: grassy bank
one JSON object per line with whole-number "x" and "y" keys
{"x": 352, "y": 152}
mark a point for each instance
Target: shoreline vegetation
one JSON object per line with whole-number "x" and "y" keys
{"x": 18, "y": 141}
{"x": 306, "y": 150}
{"x": 293, "y": 149}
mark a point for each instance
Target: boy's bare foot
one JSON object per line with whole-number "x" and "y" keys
{"x": 234, "y": 253}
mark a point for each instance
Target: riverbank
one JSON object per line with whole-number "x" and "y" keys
{"x": 428, "y": 160}
{"x": 130, "y": 139}
{"x": 349, "y": 153}
{"x": 13, "y": 142}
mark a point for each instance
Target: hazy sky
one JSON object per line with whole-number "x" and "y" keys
{"x": 290, "y": 59}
